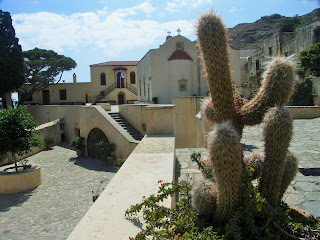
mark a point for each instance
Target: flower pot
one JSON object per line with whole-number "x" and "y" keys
{"x": 12, "y": 182}
{"x": 80, "y": 152}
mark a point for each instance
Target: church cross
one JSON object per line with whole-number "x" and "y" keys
{"x": 179, "y": 31}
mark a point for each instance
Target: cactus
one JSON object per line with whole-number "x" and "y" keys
{"x": 225, "y": 154}
{"x": 254, "y": 161}
{"x": 277, "y": 136}
{"x": 230, "y": 113}
{"x": 204, "y": 199}
{"x": 290, "y": 171}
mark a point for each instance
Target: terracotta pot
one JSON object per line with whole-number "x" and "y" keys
{"x": 80, "y": 152}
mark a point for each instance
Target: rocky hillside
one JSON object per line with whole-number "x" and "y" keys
{"x": 249, "y": 35}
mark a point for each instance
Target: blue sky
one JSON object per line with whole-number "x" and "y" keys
{"x": 95, "y": 31}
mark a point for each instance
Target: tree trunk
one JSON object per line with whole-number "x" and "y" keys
{"x": 15, "y": 162}
{"x": 6, "y": 100}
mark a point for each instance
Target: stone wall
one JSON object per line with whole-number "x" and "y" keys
{"x": 82, "y": 119}
{"x": 50, "y": 129}
{"x": 152, "y": 160}
{"x": 185, "y": 113}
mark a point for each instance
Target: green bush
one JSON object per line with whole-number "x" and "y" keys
{"x": 255, "y": 219}
{"x": 49, "y": 141}
{"x": 303, "y": 93}
{"x": 78, "y": 142}
{"x": 106, "y": 148}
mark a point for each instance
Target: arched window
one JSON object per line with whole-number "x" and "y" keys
{"x": 132, "y": 78}
{"x": 103, "y": 78}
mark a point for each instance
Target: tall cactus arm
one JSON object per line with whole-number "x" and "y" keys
{"x": 225, "y": 154}
{"x": 277, "y": 136}
{"x": 213, "y": 43}
{"x": 276, "y": 89}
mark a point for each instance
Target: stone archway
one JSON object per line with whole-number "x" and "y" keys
{"x": 95, "y": 136}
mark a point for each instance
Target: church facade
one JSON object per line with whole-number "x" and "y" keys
{"x": 173, "y": 70}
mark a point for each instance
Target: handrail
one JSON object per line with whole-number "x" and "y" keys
{"x": 104, "y": 93}
{"x": 131, "y": 88}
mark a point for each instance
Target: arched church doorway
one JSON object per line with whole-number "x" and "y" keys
{"x": 95, "y": 136}
{"x": 121, "y": 96}
{"x": 120, "y": 80}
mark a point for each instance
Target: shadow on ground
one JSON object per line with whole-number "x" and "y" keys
{"x": 93, "y": 164}
{"x": 249, "y": 148}
{"x": 14, "y": 199}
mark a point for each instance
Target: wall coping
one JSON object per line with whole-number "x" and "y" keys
{"x": 159, "y": 106}
{"x": 152, "y": 160}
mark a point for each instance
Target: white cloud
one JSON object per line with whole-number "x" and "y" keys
{"x": 177, "y": 5}
{"x": 112, "y": 33}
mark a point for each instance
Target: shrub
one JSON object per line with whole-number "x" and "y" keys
{"x": 78, "y": 142}
{"x": 303, "y": 93}
{"x": 49, "y": 141}
{"x": 106, "y": 148}
{"x": 155, "y": 100}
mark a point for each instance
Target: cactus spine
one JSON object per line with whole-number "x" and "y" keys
{"x": 230, "y": 113}
{"x": 225, "y": 153}
{"x": 289, "y": 172}
{"x": 277, "y": 136}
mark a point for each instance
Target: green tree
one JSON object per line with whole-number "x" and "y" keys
{"x": 11, "y": 61}
{"x": 289, "y": 24}
{"x": 42, "y": 67}
{"x": 310, "y": 60}
{"x": 17, "y": 132}
{"x": 303, "y": 93}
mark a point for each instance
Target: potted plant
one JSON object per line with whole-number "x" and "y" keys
{"x": 49, "y": 141}
{"x": 155, "y": 100}
{"x": 107, "y": 149}
{"x": 18, "y": 136}
{"x": 17, "y": 133}
{"x": 78, "y": 143}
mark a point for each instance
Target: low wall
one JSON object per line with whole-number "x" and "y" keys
{"x": 297, "y": 112}
{"x": 82, "y": 119}
{"x": 152, "y": 160}
{"x": 135, "y": 114}
{"x": 304, "y": 112}
{"x": 160, "y": 119}
{"x": 44, "y": 130}
{"x": 185, "y": 129}
{"x": 12, "y": 182}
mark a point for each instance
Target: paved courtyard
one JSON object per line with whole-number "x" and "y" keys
{"x": 304, "y": 192}
{"x": 52, "y": 210}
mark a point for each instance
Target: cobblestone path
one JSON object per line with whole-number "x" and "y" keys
{"x": 52, "y": 210}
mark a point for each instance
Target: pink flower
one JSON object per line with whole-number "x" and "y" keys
{"x": 160, "y": 181}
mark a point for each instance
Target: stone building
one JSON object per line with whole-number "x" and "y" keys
{"x": 288, "y": 43}
{"x": 174, "y": 70}
{"x": 113, "y": 82}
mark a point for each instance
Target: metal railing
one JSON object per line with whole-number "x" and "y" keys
{"x": 113, "y": 86}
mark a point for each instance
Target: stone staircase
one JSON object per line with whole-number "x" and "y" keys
{"x": 127, "y": 126}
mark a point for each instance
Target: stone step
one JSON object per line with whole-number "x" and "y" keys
{"x": 127, "y": 126}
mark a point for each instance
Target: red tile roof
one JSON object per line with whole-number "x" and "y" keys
{"x": 116, "y": 63}
{"x": 179, "y": 55}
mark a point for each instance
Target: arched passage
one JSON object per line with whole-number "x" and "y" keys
{"x": 95, "y": 136}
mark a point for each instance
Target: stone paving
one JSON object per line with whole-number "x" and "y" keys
{"x": 304, "y": 191}
{"x": 52, "y": 210}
